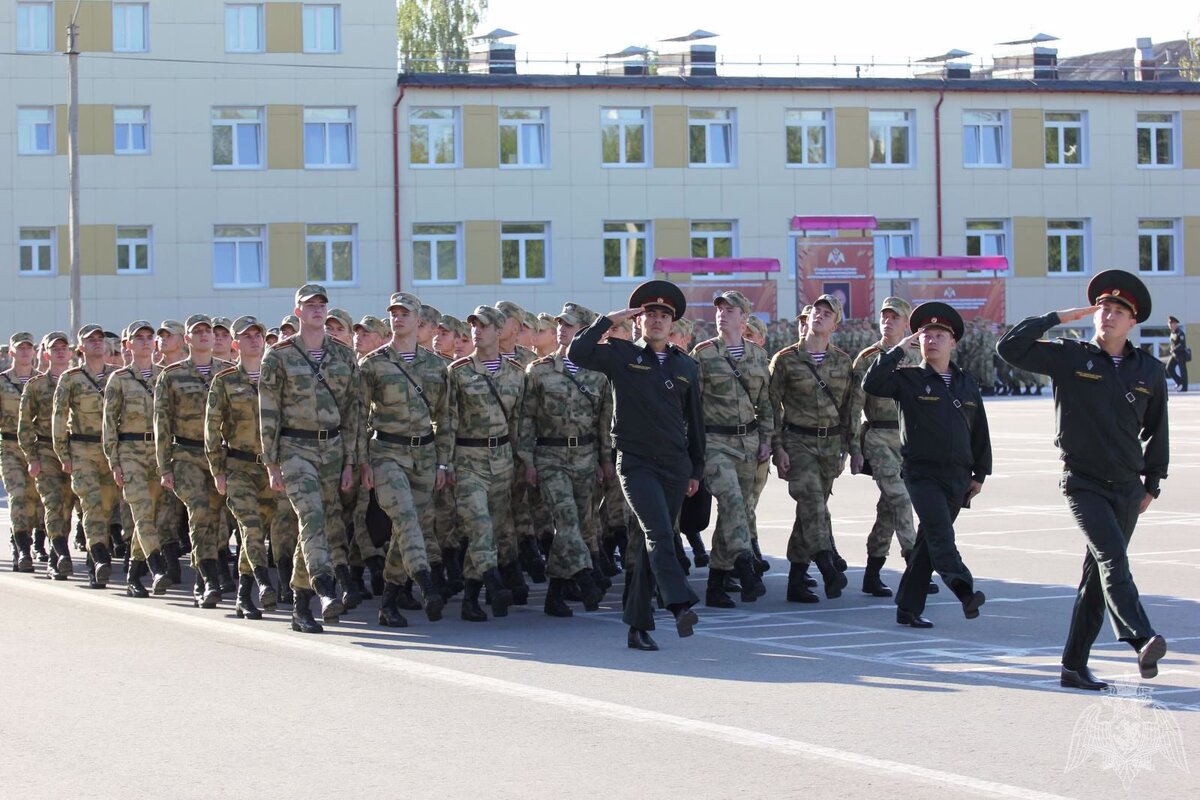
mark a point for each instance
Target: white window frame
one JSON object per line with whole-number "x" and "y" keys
{"x": 625, "y": 238}
{"x": 25, "y": 43}
{"x": 130, "y": 244}
{"x": 709, "y": 124}
{"x": 519, "y": 125}
{"x": 1153, "y": 229}
{"x": 1060, "y": 127}
{"x": 234, "y": 124}
{"x": 27, "y": 130}
{"x": 710, "y": 238}
{"x": 1063, "y": 234}
{"x": 351, "y": 122}
{"x": 432, "y": 240}
{"x": 130, "y": 27}
{"x": 118, "y": 149}
{"x": 239, "y": 45}
{"x": 1153, "y": 127}
{"x": 908, "y": 123}
{"x": 622, "y": 127}
{"x": 260, "y": 240}
{"x": 433, "y": 127}
{"x": 994, "y": 240}
{"x": 328, "y": 241}
{"x": 310, "y": 21}
{"x": 826, "y": 128}
{"x": 977, "y": 128}
{"x": 37, "y": 244}
{"x": 522, "y": 237}
{"x": 886, "y": 237}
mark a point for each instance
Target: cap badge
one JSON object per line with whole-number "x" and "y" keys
{"x": 660, "y": 300}
{"x": 1116, "y": 292}
{"x": 933, "y": 319}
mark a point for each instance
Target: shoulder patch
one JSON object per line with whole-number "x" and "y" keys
{"x": 340, "y": 344}
{"x": 379, "y": 352}
{"x": 839, "y": 350}
{"x": 173, "y": 367}
{"x": 224, "y": 372}
{"x": 707, "y": 343}
{"x": 462, "y": 362}
{"x": 544, "y": 360}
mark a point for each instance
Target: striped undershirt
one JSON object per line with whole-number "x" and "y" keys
{"x": 316, "y": 355}
{"x": 511, "y": 356}
{"x": 737, "y": 351}
{"x": 946, "y": 376}
{"x": 571, "y": 366}
{"x": 147, "y": 374}
{"x": 25, "y": 379}
{"x": 408, "y": 357}
{"x": 205, "y": 370}
{"x": 662, "y": 357}
{"x": 818, "y": 357}
{"x": 1117, "y": 360}
{"x": 492, "y": 364}
{"x": 253, "y": 376}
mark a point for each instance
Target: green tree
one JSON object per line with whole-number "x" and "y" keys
{"x": 1189, "y": 63}
{"x": 433, "y": 33}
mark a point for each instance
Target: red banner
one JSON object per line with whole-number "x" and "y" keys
{"x": 699, "y": 294}
{"x": 973, "y": 298}
{"x": 844, "y": 268}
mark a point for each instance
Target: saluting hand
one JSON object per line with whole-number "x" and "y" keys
{"x": 911, "y": 340}
{"x": 617, "y": 317}
{"x": 1072, "y": 314}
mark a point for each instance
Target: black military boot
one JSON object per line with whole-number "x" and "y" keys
{"x": 511, "y": 575}
{"x": 620, "y": 539}
{"x": 357, "y": 575}
{"x": 502, "y": 597}
{"x": 431, "y": 599}
{"x": 102, "y": 561}
{"x": 266, "y": 592}
{"x": 872, "y": 584}
{"x": 116, "y": 534}
{"x": 210, "y": 568}
{"x": 284, "y": 565}
{"x": 598, "y": 574}
{"x": 752, "y": 585}
{"x": 797, "y": 586}
{"x": 407, "y": 600}
{"x": 332, "y": 606}
{"x": 158, "y": 571}
{"x": 699, "y": 554}
{"x": 838, "y": 561}
{"x": 606, "y": 564}
{"x": 302, "y": 616}
{"x": 471, "y": 610}
{"x": 90, "y": 567}
{"x": 22, "y": 560}
{"x": 835, "y": 581}
{"x": 244, "y": 605}
{"x": 437, "y": 574}
{"x": 39, "y": 545}
{"x": 555, "y": 605}
{"x": 761, "y": 564}
{"x": 389, "y": 612}
{"x": 62, "y": 568}
{"x": 171, "y": 552}
{"x": 590, "y": 592}
{"x": 715, "y": 595}
{"x": 809, "y": 580}
{"x": 454, "y": 577}
{"x": 375, "y": 565}
{"x": 350, "y": 596}
{"x": 531, "y": 560}
{"x": 80, "y": 537}
{"x": 225, "y": 569}
{"x": 198, "y": 588}
{"x": 133, "y": 580}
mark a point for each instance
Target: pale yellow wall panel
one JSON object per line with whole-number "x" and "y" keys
{"x": 851, "y": 142}
{"x": 95, "y": 25}
{"x": 285, "y": 137}
{"x": 98, "y": 250}
{"x": 481, "y": 137}
{"x": 96, "y": 130}
{"x": 1029, "y": 247}
{"x": 1191, "y": 245}
{"x": 286, "y": 257}
{"x": 1028, "y": 138}
{"x": 285, "y": 28}
{"x": 1191, "y": 139}
{"x": 669, "y": 124}
{"x": 672, "y": 238}
{"x": 482, "y": 240}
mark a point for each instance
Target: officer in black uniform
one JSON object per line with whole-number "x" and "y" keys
{"x": 945, "y": 450}
{"x": 1109, "y": 398}
{"x": 1180, "y": 354}
{"x": 658, "y": 432}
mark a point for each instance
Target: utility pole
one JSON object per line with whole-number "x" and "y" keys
{"x": 76, "y": 318}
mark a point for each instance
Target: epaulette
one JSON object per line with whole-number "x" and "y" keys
{"x": 706, "y": 344}
{"x": 515, "y": 362}
{"x": 173, "y": 367}
{"x": 222, "y": 364}
{"x": 285, "y": 340}
{"x": 462, "y": 362}
{"x": 753, "y": 344}
{"x": 37, "y": 376}
{"x": 379, "y": 352}
{"x": 224, "y": 372}
{"x": 837, "y": 349}
{"x": 867, "y": 352}
{"x": 341, "y": 344}
{"x": 791, "y": 347}
{"x": 543, "y": 361}
{"x": 71, "y": 371}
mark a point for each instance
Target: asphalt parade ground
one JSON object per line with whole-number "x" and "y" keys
{"x": 106, "y": 696}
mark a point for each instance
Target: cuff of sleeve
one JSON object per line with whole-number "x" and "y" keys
{"x": 978, "y": 479}
{"x": 1152, "y": 488}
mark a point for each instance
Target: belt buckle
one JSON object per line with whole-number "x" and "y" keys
{"x": 572, "y": 441}
{"x": 823, "y": 433}
{"x": 414, "y": 441}
{"x": 1129, "y": 396}
{"x": 741, "y": 430}
{"x": 258, "y": 459}
{"x": 493, "y": 442}
{"x": 147, "y": 437}
{"x": 323, "y": 435}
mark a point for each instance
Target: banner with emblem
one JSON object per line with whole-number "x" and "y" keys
{"x": 973, "y": 298}
{"x": 762, "y": 294}
{"x": 843, "y": 267}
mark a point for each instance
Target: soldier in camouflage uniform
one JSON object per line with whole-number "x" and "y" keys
{"x": 34, "y": 435}
{"x": 810, "y": 394}
{"x": 756, "y": 331}
{"x": 486, "y": 394}
{"x": 223, "y": 339}
{"x": 308, "y": 413}
{"x": 450, "y": 330}
{"x": 22, "y": 494}
{"x": 567, "y": 416}
{"x": 370, "y": 333}
{"x": 171, "y": 349}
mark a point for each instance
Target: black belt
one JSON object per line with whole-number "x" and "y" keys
{"x": 320, "y": 436}
{"x": 189, "y": 442}
{"x": 244, "y": 455}
{"x": 135, "y": 437}
{"x": 84, "y": 437}
{"x": 885, "y": 425}
{"x": 566, "y": 441}
{"x": 733, "y": 430}
{"x": 411, "y": 441}
{"x": 8, "y": 437}
{"x": 491, "y": 441}
{"x": 820, "y": 433}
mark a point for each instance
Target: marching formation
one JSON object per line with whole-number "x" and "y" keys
{"x": 413, "y": 457}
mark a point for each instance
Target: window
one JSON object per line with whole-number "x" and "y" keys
{"x": 322, "y": 28}
{"x": 437, "y": 253}
{"x": 625, "y": 250}
{"x": 987, "y": 237}
{"x": 714, "y": 239}
{"x": 523, "y": 251}
{"x": 984, "y": 140}
{"x": 330, "y": 250}
{"x": 808, "y": 137}
{"x": 433, "y": 137}
{"x": 1156, "y": 245}
{"x": 237, "y": 138}
{"x": 523, "y": 137}
{"x": 238, "y": 256}
{"x": 131, "y": 27}
{"x": 243, "y": 28}
{"x": 623, "y": 136}
{"x": 133, "y": 251}
{"x": 131, "y": 130}
{"x": 35, "y": 26}
{"x": 891, "y": 138}
{"x": 1066, "y": 247}
{"x": 1065, "y": 140}
{"x": 328, "y": 138}
{"x": 38, "y": 251}
{"x": 710, "y": 137}
{"x": 894, "y": 238}
{"x": 1156, "y": 139}
{"x": 35, "y": 131}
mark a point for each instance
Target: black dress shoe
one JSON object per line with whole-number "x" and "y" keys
{"x": 1149, "y": 654}
{"x": 1081, "y": 678}
{"x": 640, "y": 640}
{"x": 911, "y": 620}
{"x": 685, "y": 620}
{"x": 971, "y": 605}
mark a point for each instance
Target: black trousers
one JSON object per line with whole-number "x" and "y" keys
{"x": 1107, "y": 514}
{"x": 655, "y": 489}
{"x": 1177, "y": 371}
{"x": 937, "y": 501}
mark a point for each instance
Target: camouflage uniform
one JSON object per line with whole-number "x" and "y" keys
{"x": 22, "y": 494}
{"x": 53, "y": 485}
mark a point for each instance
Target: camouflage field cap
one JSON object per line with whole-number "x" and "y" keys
{"x": 197, "y": 319}
{"x": 405, "y": 300}
{"x": 545, "y": 321}
{"x": 245, "y": 323}
{"x": 684, "y": 326}
{"x": 575, "y": 314}
{"x": 805, "y": 312}
{"x": 310, "y": 290}
{"x": 171, "y": 326}
{"x": 20, "y": 337}
{"x": 734, "y": 299}
{"x": 372, "y": 324}
{"x": 897, "y": 304}
{"x": 88, "y": 330}
{"x": 290, "y": 320}
{"x": 486, "y": 315}
{"x": 429, "y": 314}
{"x": 222, "y": 322}
{"x": 832, "y": 303}
{"x": 55, "y": 336}
{"x": 137, "y": 325}
{"x": 510, "y": 309}
{"x": 757, "y": 325}
{"x": 342, "y": 316}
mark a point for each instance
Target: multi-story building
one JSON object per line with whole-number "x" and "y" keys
{"x": 229, "y": 152}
